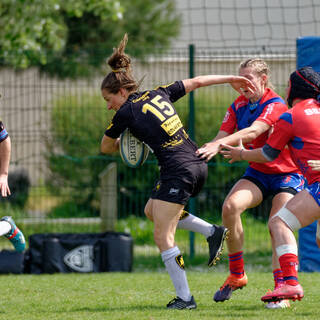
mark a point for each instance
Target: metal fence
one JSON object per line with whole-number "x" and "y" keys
{"x": 56, "y": 127}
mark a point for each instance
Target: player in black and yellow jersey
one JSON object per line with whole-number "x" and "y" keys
{"x": 152, "y": 118}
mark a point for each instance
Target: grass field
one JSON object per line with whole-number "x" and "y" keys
{"x": 143, "y": 295}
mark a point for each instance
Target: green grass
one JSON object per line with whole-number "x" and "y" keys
{"x": 142, "y": 295}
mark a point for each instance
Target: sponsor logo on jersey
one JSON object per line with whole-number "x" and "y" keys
{"x": 172, "y": 125}
{"x": 253, "y": 106}
{"x": 172, "y": 143}
{"x": 143, "y": 97}
{"x": 226, "y": 117}
{"x": 312, "y": 111}
{"x": 269, "y": 110}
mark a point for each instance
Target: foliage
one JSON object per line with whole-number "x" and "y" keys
{"x": 60, "y": 36}
{"x": 141, "y": 229}
{"x": 78, "y": 123}
{"x": 70, "y": 209}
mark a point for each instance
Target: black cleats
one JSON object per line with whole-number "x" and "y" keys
{"x": 216, "y": 243}
{"x": 178, "y": 303}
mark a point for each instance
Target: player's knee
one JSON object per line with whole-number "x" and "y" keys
{"x": 163, "y": 241}
{"x": 229, "y": 209}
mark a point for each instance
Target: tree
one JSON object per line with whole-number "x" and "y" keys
{"x": 73, "y": 37}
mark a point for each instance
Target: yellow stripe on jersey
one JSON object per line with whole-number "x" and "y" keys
{"x": 109, "y": 126}
{"x": 164, "y": 86}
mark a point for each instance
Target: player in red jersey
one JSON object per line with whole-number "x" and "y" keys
{"x": 152, "y": 118}
{"x": 299, "y": 129}
{"x": 253, "y": 116}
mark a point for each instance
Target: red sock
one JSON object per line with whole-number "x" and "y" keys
{"x": 278, "y": 278}
{"x": 289, "y": 267}
{"x": 236, "y": 264}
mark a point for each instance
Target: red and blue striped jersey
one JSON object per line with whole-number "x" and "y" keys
{"x": 299, "y": 128}
{"x": 241, "y": 114}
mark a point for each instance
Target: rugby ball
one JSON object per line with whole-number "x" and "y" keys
{"x": 132, "y": 151}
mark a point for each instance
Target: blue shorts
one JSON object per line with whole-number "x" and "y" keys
{"x": 272, "y": 184}
{"x": 314, "y": 190}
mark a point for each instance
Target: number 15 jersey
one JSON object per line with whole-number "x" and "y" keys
{"x": 152, "y": 118}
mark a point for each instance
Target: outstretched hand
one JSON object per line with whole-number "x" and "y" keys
{"x": 208, "y": 150}
{"x": 242, "y": 84}
{"x": 232, "y": 153}
{"x": 4, "y": 187}
{"x": 314, "y": 164}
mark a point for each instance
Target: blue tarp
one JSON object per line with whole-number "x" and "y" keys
{"x": 309, "y": 253}
{"x": 308, "y": 54}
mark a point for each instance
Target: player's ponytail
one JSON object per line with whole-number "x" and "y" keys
{"x": 120, "y": 75}
{"x": 119, "y": 60}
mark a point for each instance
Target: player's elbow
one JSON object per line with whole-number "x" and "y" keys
{"x": 197, "y": 81}
{"x": 107, "y": 146}
{"x": 104, "y": 149}
{"x": 193, "y": 83}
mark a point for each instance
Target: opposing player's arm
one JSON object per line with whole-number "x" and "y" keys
{"x": 239, "y": 153}
{"x": 237, "y": 82}
{"x": 246, "y": 135}
{"x": 210, "y": 149}
{"x": 109, "y": 145}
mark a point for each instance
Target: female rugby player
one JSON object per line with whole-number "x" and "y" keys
{"x": 152, "y": 118}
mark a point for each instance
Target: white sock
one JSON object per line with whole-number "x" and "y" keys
{"x": 5, "y": 227}
{"x": 195, "y": 224}
{"x": 175, "y": 267}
